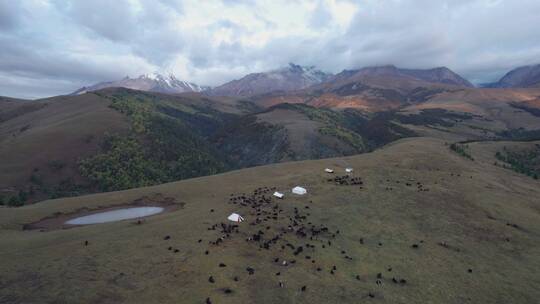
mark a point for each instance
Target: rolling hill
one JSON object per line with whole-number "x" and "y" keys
{"x": 425, "y": 225}
{"x": 116, "y": 139}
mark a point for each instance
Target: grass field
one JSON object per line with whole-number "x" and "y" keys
{"x": 468, "y": 233}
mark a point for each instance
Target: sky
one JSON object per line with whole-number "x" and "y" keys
{"x": 53, "y": 47}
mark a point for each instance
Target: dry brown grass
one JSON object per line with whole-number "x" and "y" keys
{"x": 470, "y": 206}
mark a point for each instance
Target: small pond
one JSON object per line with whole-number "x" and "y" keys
{"x": 115, "y": 215}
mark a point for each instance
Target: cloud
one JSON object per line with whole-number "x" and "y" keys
{"x": 53, "y": 47}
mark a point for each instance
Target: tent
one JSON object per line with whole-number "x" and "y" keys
{"x": 278, "y": 194}
{"x": 235, "y": 217}
{"x": 327, "y": 170}
{"x": 299, "y": 190}
{"x": 348, "y": 170}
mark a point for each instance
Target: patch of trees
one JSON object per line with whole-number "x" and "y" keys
{"x": 524, "y": 107}
{"x": 166, "y": 143}
{"x": 520, "y": 134}
{"x": 461, "y": 149}
{"x": 16, "y": 200}
{"x": 433, "y": 117}
{"x": 522, "y": 161}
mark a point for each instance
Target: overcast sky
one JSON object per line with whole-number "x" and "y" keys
{"x": 52, "y": 47}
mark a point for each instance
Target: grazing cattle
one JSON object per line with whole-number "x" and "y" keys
{"x": 415, "y": 246}
{"x": 280, "y": 284}
{"x": 85, "y": 243}
{"x": 250, "y": 270}
{"x": 469, "y": 270}
{"x": 208, "y": 301}
{"x": 222, "y": 265}
{"x": 167, "y": 237}
{"x": 303, "y": 288}
{"x": 211, "y": 279}
{"x": 227, "y": 290}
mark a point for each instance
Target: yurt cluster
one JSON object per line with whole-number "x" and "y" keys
{"x": 280, "y": 223}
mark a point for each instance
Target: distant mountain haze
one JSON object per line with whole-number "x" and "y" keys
{"x": 521, "y": 77}
{"x": 441, "y": 75}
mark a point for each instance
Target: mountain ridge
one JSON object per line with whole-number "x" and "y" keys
{"x": 520, "y": 77}
{"x": 289, "y": 78}
{"x": 152, "y": 82}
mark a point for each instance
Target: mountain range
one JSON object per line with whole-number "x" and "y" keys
{"x": 308, "y": 78}
{"x": 153, "y": 82}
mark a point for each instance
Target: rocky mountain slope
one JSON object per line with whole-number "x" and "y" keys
{"x": 373, "y": 89}
{"x": 292, "y": 77}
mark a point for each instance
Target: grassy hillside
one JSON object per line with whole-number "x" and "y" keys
{"x": 118, "y": 139}
{"x": 426, "y": 226}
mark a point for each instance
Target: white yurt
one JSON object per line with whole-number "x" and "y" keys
{"x": 328, "y": 170}
{"x": 235, "y": 217}
{"x": 278, "y": 194}
{"x": 299, "y": 190}
{"x": 348, "y": 170}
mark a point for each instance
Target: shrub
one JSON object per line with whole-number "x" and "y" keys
{"x": 15, "y": 201}
{"x": 461, "y": 150}
{"x": 57, "y": 165}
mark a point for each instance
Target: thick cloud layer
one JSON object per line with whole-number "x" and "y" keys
{"x": 51, "y": 47}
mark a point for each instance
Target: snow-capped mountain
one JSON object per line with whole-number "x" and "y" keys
{"x": 292, "y": 77}
{"x": 153, "y": 82}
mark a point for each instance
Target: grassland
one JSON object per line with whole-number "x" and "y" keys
{"x": 456, "y": 231}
